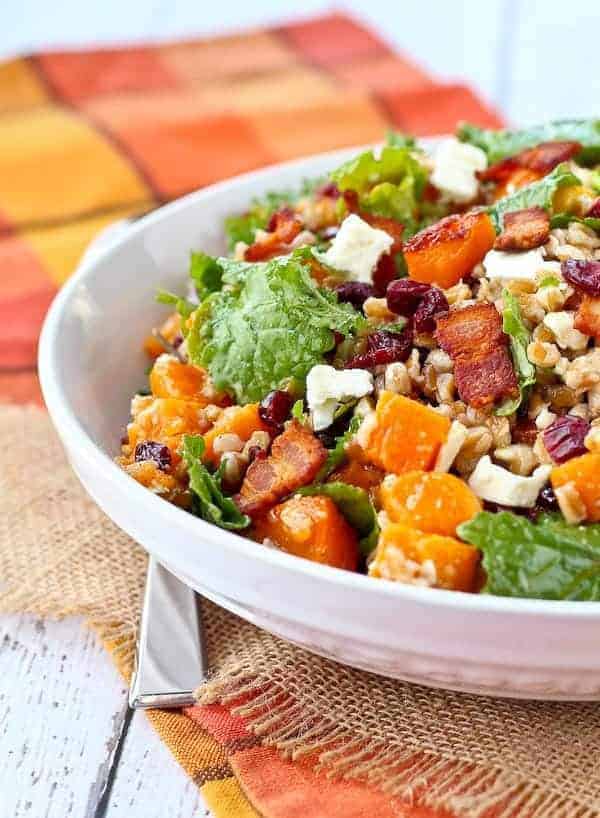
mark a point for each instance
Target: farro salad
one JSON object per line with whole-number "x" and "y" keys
{"x": 395, "y": 370}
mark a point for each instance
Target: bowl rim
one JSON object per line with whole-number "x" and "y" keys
{"x": 69, "y": 427}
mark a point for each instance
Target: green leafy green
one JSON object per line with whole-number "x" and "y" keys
{"x": 548, "y": 559}
{"x": 537, "y": 194}
{"x": 298, "y": 412}
{"x": 182, "y": 305}
{"x": 390, "y": 185}
{"x": 595, "y": 180}
{"x": 242, "y": 227}
{"x": 500, "y": 144}
{"x": 395, "y": 139}
{"x": 209, "y": 502}
{"x": 206, "y": 274}
{"x": 275, "y": 324}
{"x": 564, "y": 219}
{"x": 355, "y": 505}
{"x": 337, "y": 455}
{"x": 513, "y": 326}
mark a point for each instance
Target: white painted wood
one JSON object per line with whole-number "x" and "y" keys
{"x": 62, "y": 711}
{"x": 148, "y": 782}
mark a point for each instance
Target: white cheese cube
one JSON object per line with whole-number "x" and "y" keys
{"x": 524, "y": 266}
{"x": 455, "y": 165}
{"x": 561, "y": 324}
{"x": 327, "y": 388}
{"x": 498, "y": 485}
{"x": 356, "y": 249}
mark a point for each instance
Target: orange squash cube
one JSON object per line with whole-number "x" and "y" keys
{"x": 170, "y": 378}
{"x": 583, "y": 473}
{"x": 434, "y": 502}
{"x": 402, "y": 435}
{"x": 313, "y": 528}
{"x": 407, "y": 555}
{"x": 242, "y": 421}
{"x": 447, "y": 251}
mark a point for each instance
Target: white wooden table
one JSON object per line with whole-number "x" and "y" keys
{"x": 69, "y": 745}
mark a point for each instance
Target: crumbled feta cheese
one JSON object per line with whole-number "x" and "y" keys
{"x": 545, "y": 418}
{"x": 561, "y": 324}
{"x": 498, "y": 485}
{"x": 448, "y": 451}
{"x": 523, "y": 266}
{"x": 455, "y": 165}
{"x": 327, "y": 388}
{"x": 356, "y": 248}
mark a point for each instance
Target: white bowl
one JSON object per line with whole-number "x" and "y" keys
{"x": 91, "y": 363}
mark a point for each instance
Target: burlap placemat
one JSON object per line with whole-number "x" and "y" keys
{"x": 59, "y": 556}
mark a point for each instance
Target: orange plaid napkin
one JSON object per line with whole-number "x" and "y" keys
{"x": 87, "y": 138}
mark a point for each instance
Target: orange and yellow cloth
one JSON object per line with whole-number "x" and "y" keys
{"x": 87, "y": 138}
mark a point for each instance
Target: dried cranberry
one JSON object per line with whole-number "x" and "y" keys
{"x": 433, "y": 304}
{"x": 594, "y": 210}
{"x": 178, "y": 340}
{"x": 384, "y": 347}
{"x": 564, "y": 438}
{"x": 583, "y": 275}
{"x": 275, "y": 408}
{"x": 404, "y": 295}
{"x": 330, "y": 191}
{"x": 384, "y": 273}
{"x": 354, "y": 292}
{"x": 156, "y": 452}
{"x": 547, "y": 499}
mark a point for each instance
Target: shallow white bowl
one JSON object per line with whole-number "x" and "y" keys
{"x": 91, "y": 363}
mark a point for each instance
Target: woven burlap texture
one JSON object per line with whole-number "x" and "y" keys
{"x": 59, "y": 556}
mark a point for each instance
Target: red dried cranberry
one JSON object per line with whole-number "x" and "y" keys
{"x": 547, "y": 499}
{"x": 583, "y": 275}
{"x": 330, "y": 190}
{"x": 384, "y": 347}
{"x": 594, "y": 210}
{"x": 354, "y": 292}
{"x": 433, "y": 304}
{"x": 404, "y": 295}
{"x": 275, "y": 408}
{"x": 156, "y": 452}
{"x": 384, "y": 274}
{"x": 564, "y": 438}
{"x": 178, "y": 340}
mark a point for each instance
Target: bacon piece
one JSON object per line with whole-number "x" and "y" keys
{"x": 524, "y": 230}
{"x": 541, "y": 159}
{"x": 587, "y": 319}
{"x": 474, "y": 339}
{"x": 283, "y": 228}
{"x": 296, "y": 457}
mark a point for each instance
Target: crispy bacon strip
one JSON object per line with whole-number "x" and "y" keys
{"x": 283, "y": 228}
{"x": 524, "y": 230}
{"x": 296, "y": 457}
{"x": 474, "y": 339}
{"x": 541, "y": 159}
{"x": 587, "y": 319}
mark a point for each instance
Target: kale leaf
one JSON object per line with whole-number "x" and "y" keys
{"x": 548, "y": 559}
{"x": 275, "y": 324}
{"x": 519, "y": 336}
{"x": 209, "y": 502}
{"x": 500, "y": 144}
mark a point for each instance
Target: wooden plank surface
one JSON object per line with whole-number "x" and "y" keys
{"x": 64, "y": 736}
{"x": 141, "y": 786}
